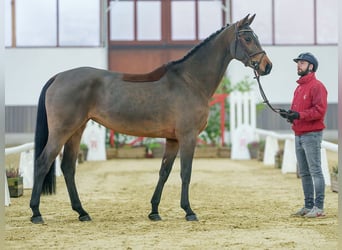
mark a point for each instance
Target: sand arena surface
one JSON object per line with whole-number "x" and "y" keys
{"x": 240, "y": 205}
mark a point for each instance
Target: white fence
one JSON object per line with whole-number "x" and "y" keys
{"x": 243, "y": 130}
{"x": 289, "y": 164}
{"x": 242, "y": 122}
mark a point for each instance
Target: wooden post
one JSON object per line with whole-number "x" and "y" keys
{"x": 14, "y": 25}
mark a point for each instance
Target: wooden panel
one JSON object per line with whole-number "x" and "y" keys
{"x": 142, "y": 60}
{"x": 135, "y": 61}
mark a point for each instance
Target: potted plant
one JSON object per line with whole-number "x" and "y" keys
{"x": 278, "y": 158}
{"x": 83, "y": 152}
{"x": 334, "y": 179}
{"x": 15, "y": 182}
{"x": 261, "y": 150}
{"x": 154, "y": 148}
{"x": 253, "y": 148}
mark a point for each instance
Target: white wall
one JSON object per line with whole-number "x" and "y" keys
{"x": 281, "y": 82}
{"x": 28, "y": 69}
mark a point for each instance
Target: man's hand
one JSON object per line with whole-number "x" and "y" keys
{"x": 292, "y": 115}
{"x": 283, "y": 113}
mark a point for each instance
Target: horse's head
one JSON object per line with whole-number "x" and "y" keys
{"x": 247, "y": 49}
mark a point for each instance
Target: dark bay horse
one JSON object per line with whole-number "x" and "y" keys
{"x": 170, "y": 102}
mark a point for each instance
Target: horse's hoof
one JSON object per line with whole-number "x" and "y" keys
{"x": 84, "y": 218}
{"x": 154, "y": 217}
{"x": 191, "y": 217}
{"x": 37, "y": 220}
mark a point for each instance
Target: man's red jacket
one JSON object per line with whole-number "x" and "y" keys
{"x": 310, "y": 101}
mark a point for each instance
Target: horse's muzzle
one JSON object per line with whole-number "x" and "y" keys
{"x": 268, "y": 69}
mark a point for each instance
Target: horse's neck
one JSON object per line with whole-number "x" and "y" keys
{"x": 207, "y": 66}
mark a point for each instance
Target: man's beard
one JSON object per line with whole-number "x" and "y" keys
{"x": 303, "y": 73}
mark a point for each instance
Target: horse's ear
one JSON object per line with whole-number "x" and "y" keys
{"x": 251, "y": 19}
{"x": 243, "y": 21}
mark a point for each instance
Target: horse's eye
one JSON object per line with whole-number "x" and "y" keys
{"x": 248, "y": 39}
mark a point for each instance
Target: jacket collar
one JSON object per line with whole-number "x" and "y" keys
{"x": 307, "y": 78}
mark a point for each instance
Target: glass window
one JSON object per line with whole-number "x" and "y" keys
{"x": 36, "y": 26}
{"x": 294, "y": 25}
{"x": 122, "y": 20}
{"x": 209, "y": 17}
{"x": 79, "y": 23}
{"x": 327, "y": 28}
{"x": 262, "y": 24}
{"x": 149, "y": 20}
{"x": 183, "y": 22}
{"x": 8, "y": 23}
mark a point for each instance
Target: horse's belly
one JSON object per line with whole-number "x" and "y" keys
{"x": 139, "y": 127}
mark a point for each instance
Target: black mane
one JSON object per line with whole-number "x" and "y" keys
{"x": 194, "y": 49}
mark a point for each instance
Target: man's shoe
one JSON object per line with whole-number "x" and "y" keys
{"x": 301, "y": 212}
{"x": 314, "y": 213}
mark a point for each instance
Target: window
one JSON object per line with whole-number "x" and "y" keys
{"x": 51, "y": 23}
{"x": 183, "y": 22}
{"x": 8, "y": 23}
{"x": 54, "y": 23}
{"x": 79, "y": 23}
{"x": 207, "y": 26}
{"x": 135, "y": 20}
{"x": 291, "y": 22}
{"x": 296, "y": 25}
{"x": 327, "y": 27}
{"x": 172, "y": 21}
{"x": 149, "y": 20}
{"x": 262, "y": 24}
{"x": 189, "y": 24}
{"x": 36, "y": 26}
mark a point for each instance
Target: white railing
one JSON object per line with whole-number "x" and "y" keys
{"x": 19, "y": 149}
{"x": 289, "y": 164}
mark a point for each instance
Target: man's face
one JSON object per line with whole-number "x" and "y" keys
{"x": 303, "y": 67}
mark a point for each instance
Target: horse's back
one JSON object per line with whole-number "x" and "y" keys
{"x": 85, "y": 73}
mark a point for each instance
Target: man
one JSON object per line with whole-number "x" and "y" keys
{"x": 307, "y": 113}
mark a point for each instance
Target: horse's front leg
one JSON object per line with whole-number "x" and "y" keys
{"x": 171, "y": 150}
{"x": 187, "y": 150}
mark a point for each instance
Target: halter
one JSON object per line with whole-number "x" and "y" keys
{"x": 254, "y": 64}
{"x": 248, "y": 57}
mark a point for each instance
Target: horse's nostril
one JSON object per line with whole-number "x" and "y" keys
{"x": 268, "y": 68}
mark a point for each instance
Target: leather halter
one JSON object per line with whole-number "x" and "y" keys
{"x": 254, "y": 64}
{"x": 248, "y": 57}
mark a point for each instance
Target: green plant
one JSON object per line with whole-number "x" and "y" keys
{"x": 335, "y": 170}
{"x": 83, "y": 146}
{"x": 151, "y": 143}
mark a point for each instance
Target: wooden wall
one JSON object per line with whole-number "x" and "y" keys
{"x": 144, "y": 58}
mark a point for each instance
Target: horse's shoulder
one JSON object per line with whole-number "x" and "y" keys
{"x": 152, "y": 76}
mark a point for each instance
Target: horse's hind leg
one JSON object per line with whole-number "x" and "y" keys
{"x": 70, "y": 153}
{"x": 171, "y": 150}
{"x": 43, "y": 165}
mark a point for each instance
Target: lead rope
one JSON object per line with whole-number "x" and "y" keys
{"x": 257, "y": 76}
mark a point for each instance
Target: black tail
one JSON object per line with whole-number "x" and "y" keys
{"x": 40, "y": 140}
